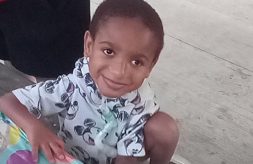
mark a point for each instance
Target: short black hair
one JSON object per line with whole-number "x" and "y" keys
{"x": 129, "y": 9}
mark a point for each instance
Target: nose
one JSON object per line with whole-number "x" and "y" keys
{"x": 118, "y": 69}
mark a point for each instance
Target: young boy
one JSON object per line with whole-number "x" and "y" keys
{"x": 105, "y": 111}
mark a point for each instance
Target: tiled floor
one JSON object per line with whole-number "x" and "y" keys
{"x": 204, "y": 77}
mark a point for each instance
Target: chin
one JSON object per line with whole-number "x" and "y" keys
{"x": 111, "y": 94}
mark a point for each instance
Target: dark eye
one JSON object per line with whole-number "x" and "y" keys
{"x": 137, "y": 62}
{"x": 108, "y": 52}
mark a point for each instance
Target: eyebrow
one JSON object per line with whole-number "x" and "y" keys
{"x": 143, "y": 56}
{"x": 105, "y": 42}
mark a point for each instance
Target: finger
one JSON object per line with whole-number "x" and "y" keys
{"x": 48, "y": 153}
{"x": 35, "y": 150}
{"x": 60, "y": 143}
{"x": 58, "y": 150}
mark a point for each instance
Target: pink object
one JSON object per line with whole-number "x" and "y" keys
{"x": 21, "y": 157}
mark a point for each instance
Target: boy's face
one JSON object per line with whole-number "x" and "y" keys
{"x": 121, "y": 55}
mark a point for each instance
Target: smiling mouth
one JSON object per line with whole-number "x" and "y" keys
{"x": 113, "y": 84}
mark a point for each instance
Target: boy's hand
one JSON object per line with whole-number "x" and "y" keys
{"x": 41, "y": 138}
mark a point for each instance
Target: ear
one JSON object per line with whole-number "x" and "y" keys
{"x": 88, "y": 44}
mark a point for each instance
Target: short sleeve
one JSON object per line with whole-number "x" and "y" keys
{"x": 46, "y": 98}
{"x": 131, "y": 140}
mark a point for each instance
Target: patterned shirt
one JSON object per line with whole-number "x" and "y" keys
{"x": 78, "y": 113}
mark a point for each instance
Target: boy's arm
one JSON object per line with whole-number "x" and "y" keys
{"x": 39, "y": 136}
{"x": 17, "y": 112}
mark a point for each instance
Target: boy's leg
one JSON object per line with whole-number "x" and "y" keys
{"x": 161, "y": 138}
